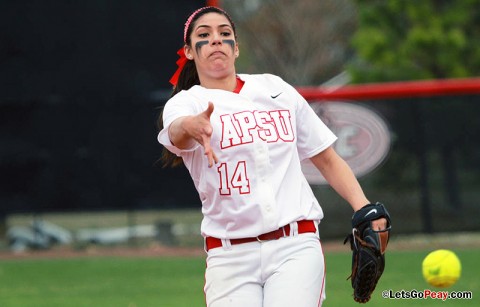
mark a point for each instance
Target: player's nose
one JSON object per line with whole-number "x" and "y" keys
{"x": 216, "y": 39}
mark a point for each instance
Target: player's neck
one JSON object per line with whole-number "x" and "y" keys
{"x": 228, "y": 83}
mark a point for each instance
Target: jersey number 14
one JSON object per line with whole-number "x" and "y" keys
{"x": 238, "y": 180}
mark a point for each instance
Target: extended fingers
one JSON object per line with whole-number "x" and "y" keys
{"x": 211, "y": 156}
{"x": 215, "y": 159}
{"x": 206, "y": 135}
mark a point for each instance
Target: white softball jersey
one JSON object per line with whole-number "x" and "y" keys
{"x": 260, "y": 135}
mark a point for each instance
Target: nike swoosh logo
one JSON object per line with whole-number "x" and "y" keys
{"x": 371, "y": 211}
{"x": 275, "y": 96}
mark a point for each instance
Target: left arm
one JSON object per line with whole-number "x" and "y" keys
{"x": 340, "y": 176}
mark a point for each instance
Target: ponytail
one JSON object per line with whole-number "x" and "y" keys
{"x": 188, "y": 77}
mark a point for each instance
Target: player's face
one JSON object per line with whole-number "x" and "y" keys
{"x": 213, "y": 46}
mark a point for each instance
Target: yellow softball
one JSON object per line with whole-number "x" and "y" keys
{"x": 441, "y": 268}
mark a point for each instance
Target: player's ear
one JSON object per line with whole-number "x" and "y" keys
{"x": 188, "y": 52}
{"x": 237, "y": 50}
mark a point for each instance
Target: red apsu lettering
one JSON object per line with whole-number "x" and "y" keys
{"x": 272, "y": 126}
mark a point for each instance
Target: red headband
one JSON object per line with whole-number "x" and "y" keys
{"x": 189, "y": 21}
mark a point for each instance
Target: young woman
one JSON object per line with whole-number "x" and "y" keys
{"x": 242, "y": 138}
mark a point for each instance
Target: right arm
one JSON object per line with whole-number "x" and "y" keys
{"x": 185, "y": 130}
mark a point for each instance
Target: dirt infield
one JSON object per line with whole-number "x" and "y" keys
{"x": 398, "y": 243}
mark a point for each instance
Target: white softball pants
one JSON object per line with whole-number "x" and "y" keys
{"x": 286, "y": 272}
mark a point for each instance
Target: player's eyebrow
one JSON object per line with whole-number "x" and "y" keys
{"x": 219, "y": 26}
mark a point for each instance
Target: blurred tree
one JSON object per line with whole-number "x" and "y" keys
{"x": 305, "y": 42}
{"x": 405, "y": 40}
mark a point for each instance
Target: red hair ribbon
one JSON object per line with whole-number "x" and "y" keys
{"x": 180, "y": 63}
{"x": 181, "y": 52}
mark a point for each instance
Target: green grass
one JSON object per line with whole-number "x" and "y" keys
{"x": 177, "y": 282}
{"x": 102, "y": 282}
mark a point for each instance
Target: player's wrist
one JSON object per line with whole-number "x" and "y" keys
{"x": 359, "y": 204}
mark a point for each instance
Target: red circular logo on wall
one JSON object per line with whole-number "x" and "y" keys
{"x": 363, "y": 137}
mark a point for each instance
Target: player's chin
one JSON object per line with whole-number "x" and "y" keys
{"x": 220, "y": 63}
{"x": 221, "y": 70}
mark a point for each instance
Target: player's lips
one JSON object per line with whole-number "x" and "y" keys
{"x": 217, "y": 53}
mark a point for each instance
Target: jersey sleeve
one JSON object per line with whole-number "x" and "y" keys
{"x": 178, "y": 106}
{"x": 313, "y": 136}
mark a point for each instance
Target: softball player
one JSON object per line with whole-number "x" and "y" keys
{"x": 242, "y": 138}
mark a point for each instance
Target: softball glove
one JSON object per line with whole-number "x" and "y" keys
{"x": 368, "y": 247}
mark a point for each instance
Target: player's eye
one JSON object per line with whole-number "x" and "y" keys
{"x": 226, "y": 33}
{"x": 203, "y": 35}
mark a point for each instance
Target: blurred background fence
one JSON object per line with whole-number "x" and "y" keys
{"x": 431, "y": 176}
{"x": 82, "y": 83}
